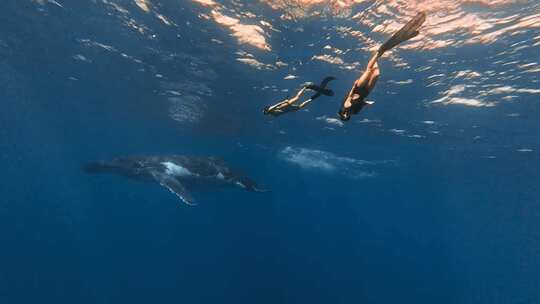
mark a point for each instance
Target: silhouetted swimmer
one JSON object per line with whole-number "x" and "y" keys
{"x": 355, "y": 101}
{"x": 290, "y": 104}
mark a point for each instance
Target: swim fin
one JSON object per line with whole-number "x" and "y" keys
{"x": 326, "y": 80}
{"x": 408, "y": 31}
{"x": 321, "y": 89}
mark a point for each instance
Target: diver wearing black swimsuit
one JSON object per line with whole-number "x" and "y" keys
{"x": 354, "y": 101}
{"x": 356, "y": 106}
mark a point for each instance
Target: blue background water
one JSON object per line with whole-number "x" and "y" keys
{"x": 440, "y": 221}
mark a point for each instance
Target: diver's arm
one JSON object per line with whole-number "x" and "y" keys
{"x": 280, "y": 105}
{"x": 272, "y": 108}
{"x": 301, "y": 92}
{"x": 373, "y": 77}
{"x": 362, "y": 80}
{"x": 347, "y": 102}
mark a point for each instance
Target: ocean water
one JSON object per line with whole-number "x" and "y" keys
{"x": 429, "y": 196}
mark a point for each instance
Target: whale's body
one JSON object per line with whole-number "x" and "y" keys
{"x": 172, "y": 170}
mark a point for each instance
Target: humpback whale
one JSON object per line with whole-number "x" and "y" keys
{"x": 172, "y": 170}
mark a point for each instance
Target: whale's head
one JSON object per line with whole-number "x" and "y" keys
{"x": 122, "y": 166}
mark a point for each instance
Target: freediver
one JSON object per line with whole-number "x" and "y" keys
{"x": 355, "y": 101}
{"x": 290, "y": 104}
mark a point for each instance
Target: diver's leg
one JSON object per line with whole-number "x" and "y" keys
{"x": 363, "y": 80}
{"x": 301, "y": 92}
{"x": 297, "y": 97}
{"x": 371, "y": 83}
{"x": 373, "y": 78}
{"x": 303, "y": 104}
{"x": 373, "y": 61}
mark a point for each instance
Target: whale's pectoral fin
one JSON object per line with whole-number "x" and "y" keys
{"x": 174, "y": 186}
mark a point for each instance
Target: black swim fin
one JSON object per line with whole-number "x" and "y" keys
{"x": 326, "y": 80}
{"x": 321, "y": 89}
{"x": 408, "y": 31}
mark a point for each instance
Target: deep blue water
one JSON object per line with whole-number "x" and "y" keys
{"x": 447, "y": 217}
